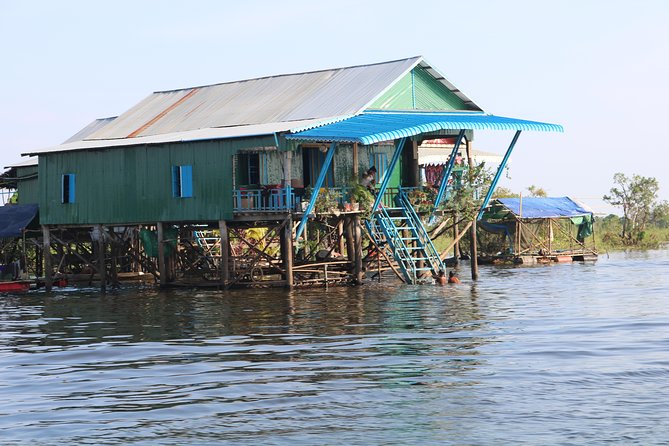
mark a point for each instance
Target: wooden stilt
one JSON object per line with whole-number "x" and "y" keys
{"x": 340, "y": 236}
{"x": 113, "y": 270}
{"x": 474, "y": 252}
{"x": 348, "y": 233}
{"x": 102, "y": 270}
{"x": 473, "y": 248}
{"x": 357, "y": 235}
{"x": 162, "y": 267}
{"x": 48, "y": 272}
{"x": 225, "y": 253}
{"x": 456, "y": 245}
{"x": 288, "y": 251}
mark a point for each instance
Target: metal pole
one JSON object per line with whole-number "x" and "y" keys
{"x": 317, "y": 187}
{"x": 389, "y": 172}
{"x": 501, "y": 167}
{"x": 447, "y": 171}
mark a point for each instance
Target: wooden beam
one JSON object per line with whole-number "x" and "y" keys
{"x": 162, "y": 267}
{"x": 48, "y": 272}
{"x": 102, "y": 270}
{"x": 225, "y": 256}
{"x": 287, "y": 252}
{"x": 357, "y": 235}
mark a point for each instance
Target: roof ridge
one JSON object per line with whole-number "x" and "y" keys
{"x": 417, "y": 58}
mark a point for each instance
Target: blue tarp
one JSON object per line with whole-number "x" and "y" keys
{"x": 553, "y": 207}
{"x": 14, "y": 218}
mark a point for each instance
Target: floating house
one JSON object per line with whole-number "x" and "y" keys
{"x": 255, "y": 182}
{"x": 540, "y": 230}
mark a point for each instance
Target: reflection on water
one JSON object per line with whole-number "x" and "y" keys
{"x": 561, "y": 354}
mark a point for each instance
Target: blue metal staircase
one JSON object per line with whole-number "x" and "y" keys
{"x": 407, "y": 238}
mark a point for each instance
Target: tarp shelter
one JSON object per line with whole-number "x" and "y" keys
{"x": 536, "y": 207}
{"x": 534, "y": 225}
{"x": 15, "y": 218}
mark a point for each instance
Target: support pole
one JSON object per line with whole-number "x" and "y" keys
{"x": 473, "y": 248}
{"x": 225, "y": 249}
{"x": 348, "y": 233}
{"x": 498, "y": 174}
{"x": 162, "y": 267}
{"x": 474, "y": 252}
{"x": 456, "y": 244}
{"x": 357, "y": 235}
{"x": 340, "y": 236}
{"x": 447, "y": 171}
{"x": 317, "y": 188}
{"x": 389, "y": 172}
{"x": 288, "y": 251}
{"x": 356, "y": 161}
{"x": 48, "y": 272}
{"x": 288, "y": 178}
{"x": 102, "y": 270}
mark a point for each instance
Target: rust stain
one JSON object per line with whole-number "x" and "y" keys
{"x": 163, "y": 113}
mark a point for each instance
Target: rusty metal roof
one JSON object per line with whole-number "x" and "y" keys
{"x": 284, "y": 98}
{"x": 243, "y": 108}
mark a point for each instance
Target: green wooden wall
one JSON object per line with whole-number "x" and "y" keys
{"x": 28, "y": 189}
{"x": 420, "y": 92}
{"x": 134, "y": 184}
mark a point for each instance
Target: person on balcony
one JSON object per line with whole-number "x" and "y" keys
{"x": 369, "y": 180}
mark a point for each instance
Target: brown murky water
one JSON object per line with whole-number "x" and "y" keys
{"x": 562, "y": 354}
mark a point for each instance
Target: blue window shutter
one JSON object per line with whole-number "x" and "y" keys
{"x": 176, "y": 181}
{"x": 186, "y": 181}
{"x": 72, "y": 188}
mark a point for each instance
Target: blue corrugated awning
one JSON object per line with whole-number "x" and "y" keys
{"x": 14, "y": 218}
{"x": 373, "y": 127}
{"x": 548, "y": 207}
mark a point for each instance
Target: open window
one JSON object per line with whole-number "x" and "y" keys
{"x": 67, "y": 188}
{"x": 313, "y": 159}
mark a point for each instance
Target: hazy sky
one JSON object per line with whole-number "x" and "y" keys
{"x": 599, "y": 68}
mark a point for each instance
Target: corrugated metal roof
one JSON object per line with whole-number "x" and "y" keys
{"x": 32, "y": 161}
{"x": 373, "y": 127}
{"x": 193, "y": 135}
{"x": 291, "y": 97}
{"x": 89, "y": 129}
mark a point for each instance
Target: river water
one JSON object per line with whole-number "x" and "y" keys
{"x": 561, "y": 354}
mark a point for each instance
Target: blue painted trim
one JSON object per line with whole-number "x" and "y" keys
{"x": 186, "y": 181}
{"x": 498, "y": 174}
{"x": 389, "y": 173}
{"x": 448, "y": 171}
{"x": 317, "y": 188}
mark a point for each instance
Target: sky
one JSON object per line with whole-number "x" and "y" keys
{"x": 599, "y": 68}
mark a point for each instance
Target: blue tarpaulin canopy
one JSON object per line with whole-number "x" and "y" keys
{"x": 535, "y": 207}
{"x": 377, "y": 126}
{"x": 14, "y": 218}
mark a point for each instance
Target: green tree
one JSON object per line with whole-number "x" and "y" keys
{"x": 636, "y": 196}
{"x": 536, "y": 191}
{"x": 660, "y": 215}
{"x": 504, "y": 192}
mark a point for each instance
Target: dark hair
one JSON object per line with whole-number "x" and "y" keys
{"x": 372, "y": 169}
{"x": 451, "y": 274}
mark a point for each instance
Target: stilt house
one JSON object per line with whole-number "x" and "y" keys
{"x": 199, "y": 167}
